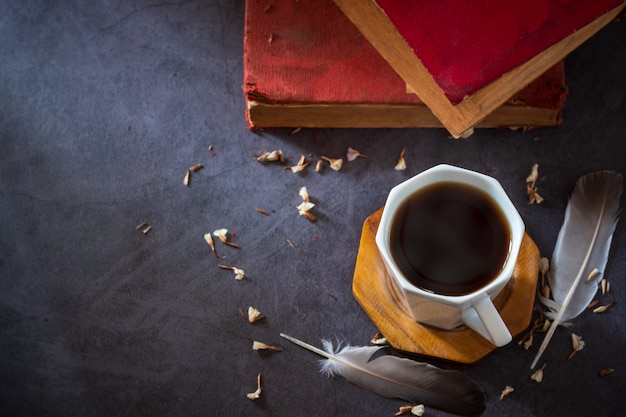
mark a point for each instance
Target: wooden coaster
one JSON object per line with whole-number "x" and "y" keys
{"x": 380, "y": 300}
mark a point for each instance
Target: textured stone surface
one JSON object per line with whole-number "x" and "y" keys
{"x": 103, "y": 107}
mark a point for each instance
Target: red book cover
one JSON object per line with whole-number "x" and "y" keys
{"x": 465, "y": 59}
{"x": 465, "y": 45}
{"x": 306, "y": 64}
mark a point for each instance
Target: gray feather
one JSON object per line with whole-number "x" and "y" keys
{"x": 590, "y": 220}
{"x": 583, "y": 245}
{"x": 403, "y": 378}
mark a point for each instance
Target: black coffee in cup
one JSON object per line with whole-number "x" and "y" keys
{"x": 450, "y": 238}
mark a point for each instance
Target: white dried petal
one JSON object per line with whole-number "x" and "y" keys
{"x": 304, "y": 194}
{"x": 594, "y": 273}
{"x": 186, "y": 178}
{"x": 577, "y": 342}
{"x": 418, "y": 410}
{"x": 335, "y": 164}
{"x": 379, "y": 340}
{"x": 318, "y": 166}
{"x": 256, "y": 345}
{"x": 271, "y": 156}
{"x": 469, "y": 132}
{"x": 239, "y": 273}
{"x": 534, "y": 174}
{"x": 305, "y": 207}
{"x": 256, "y": 394}
{"x": 603, "y": 308}
{"x": 506, "y": 391}
{"x": 537, "y": 376}
{"x": 401, "y": 164}
{"x": 299, "y": 166}
{"x": 352, "y": 154}
{"x": 221, "y": 234}
{"x": 254, "y": 314}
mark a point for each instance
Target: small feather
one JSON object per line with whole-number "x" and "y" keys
{"x": 582, "y": 245}
{"x": 396, "y": 377}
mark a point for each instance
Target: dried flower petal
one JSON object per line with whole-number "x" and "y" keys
{"x": 262, "y": 346}
{"x": 239, "y": 273}
{"x": 256, "y": 394}
{"x": 534, "y": 174}
{"x": 379, "y": 339}
{"x": 209, "y": 240}
{"x": 592, "y": 275}
{"x": 469, "y": 132}
{"x": 304, "y": 194}
{"x": 302, "y": 163}
{"x": 527, "y": 341}
{"x": 304, "y": 209}
{"x": 196, "y": 167}
{"x": 254, "y": 315}
{"x": 401, "y": 164}
{"x": 222, "y": 235}
{"x": 142, "y": 224}
{"x": 418, "y": 410}
{"x": 604, "y": 286}
{"x": 318, "y": 166}
{"x": 186, "y": 178}
{"x": 577, "y": 344}
{"x": 531, "y": 185}
{"x": 335, "y": 164}
{"x": 263, "y": 212}
{"x": 290, "y": 243}
{"x": 352, "y": 154}
{"x": 606, "y": 371}
{"x": 146, "y": 230}
{"x": 506, "y": 391}
{"x": 405, "y": 409}
{"x": 603, "y": 308}
{"x": 271, "y": 156}
{"x": 538, "y": 375}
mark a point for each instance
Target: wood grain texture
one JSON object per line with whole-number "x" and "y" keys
{"x": 383, "y": 304}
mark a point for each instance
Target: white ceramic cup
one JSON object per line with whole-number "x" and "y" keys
{"x": 475, "y": 309}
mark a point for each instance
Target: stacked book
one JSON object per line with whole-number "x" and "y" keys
{"x": 392, "y": 63}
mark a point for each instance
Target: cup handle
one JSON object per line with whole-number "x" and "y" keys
{"x": 483, "y": 318}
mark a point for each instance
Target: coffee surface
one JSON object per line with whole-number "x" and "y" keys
{"x": 450, "y": 238}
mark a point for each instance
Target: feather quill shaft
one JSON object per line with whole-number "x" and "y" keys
{"x": 394, "y": 377}
{"x": 582, "y": 245}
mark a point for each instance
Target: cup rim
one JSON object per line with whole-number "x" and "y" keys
{"x": 461, "y": 175}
